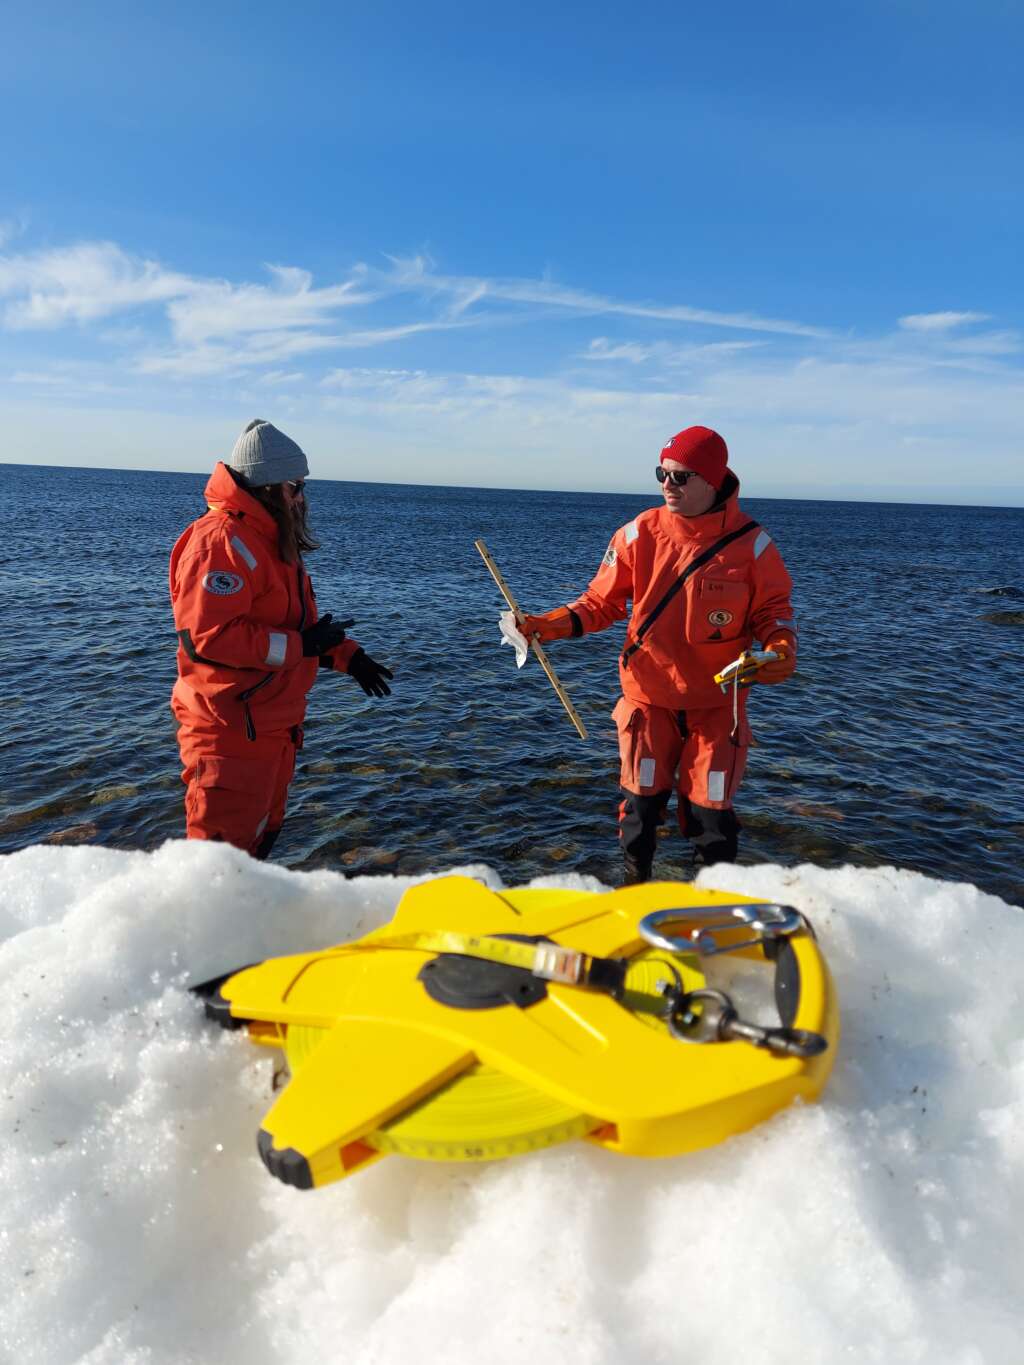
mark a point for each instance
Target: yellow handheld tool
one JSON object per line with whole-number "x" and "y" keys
{"x": 480, "y": 1024}
{"x": 743, "y": 670}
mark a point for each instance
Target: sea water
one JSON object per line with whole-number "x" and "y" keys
{"x": 899, "y": 741}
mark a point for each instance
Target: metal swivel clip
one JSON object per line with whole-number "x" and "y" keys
{"x": 708, "y": 1015}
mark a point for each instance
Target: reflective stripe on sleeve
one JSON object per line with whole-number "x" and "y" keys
{"x": 761, "y": 543}
{"x": 716, "y": 786}
{"x": 278, "y": 651}
{"x": 631, "y": 532}
{"x": 240, "y": 548}
{"x": 646, "y": 778}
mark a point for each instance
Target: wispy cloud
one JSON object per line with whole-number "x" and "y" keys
{"x": 1002, "y": 343}
{"x": 940, "y": 322}
{"x": 416, "y": 274}
{"x": 216, "y": 309}
{"x": 419, "y": 388}
{"x": 602, "y": 349}
{"x": 378, "y": 336}
{"x": 210, "y": 359}
{"x": 76, "y": 284}
{"x": 10, "y": 228}
{"x": 549, "y": 387}
{"x": 65, "y": 381}
{"x": 37, "y": 377}
{"x": 217, "y": 326}
{"x": 241, "y": 353}
{"x": 807, "y": 423}
{"x": 664, "y": 352}
{"x": 474, "y": 292}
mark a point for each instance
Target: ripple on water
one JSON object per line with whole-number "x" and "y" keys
{"x": 900, "y": 740}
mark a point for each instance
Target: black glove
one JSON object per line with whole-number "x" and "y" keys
{"x": 369, "y": 674}
{"x": 324, "y": 635}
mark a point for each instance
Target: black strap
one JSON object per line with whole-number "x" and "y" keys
{"x": 677, "y": 586}
{"x": 188, "y": 645}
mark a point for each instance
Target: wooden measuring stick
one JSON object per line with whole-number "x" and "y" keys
{"x": 535, "y": 645}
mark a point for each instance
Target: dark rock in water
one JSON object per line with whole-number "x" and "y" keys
{"x": 814, "y": 810}
{"x": 1002, "y": 592}
{"x": 74, "y": 834}
{"x": 107, "y": 794}
{"x": 1005, "y": 618}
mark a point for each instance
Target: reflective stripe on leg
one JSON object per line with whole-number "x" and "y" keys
{"x": 713, "y": 759}
{"x": 649, "y": 746}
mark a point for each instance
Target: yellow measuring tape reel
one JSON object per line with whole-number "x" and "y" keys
{"x": 479, "y": 1025}
{"x": 484, "y": 1114}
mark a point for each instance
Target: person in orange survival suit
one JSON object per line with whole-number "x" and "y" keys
{"x": 250, "y": 642}
{"x": 704, "y": 581}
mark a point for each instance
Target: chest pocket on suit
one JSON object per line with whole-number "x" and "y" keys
{"x": 718, "y": 609}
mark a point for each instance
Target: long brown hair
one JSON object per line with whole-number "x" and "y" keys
{"x": 294, "y": 538}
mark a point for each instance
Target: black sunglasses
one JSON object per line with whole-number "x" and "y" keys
{"x": 296, "y": 485}
{"x": 679, "y": 478}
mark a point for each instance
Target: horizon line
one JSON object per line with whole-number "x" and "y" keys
{"x": 495, "y": 488}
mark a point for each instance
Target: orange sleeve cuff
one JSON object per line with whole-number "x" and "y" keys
{"x": 341, "y": 655}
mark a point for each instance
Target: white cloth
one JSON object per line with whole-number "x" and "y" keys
{"x": 511, "y": 635}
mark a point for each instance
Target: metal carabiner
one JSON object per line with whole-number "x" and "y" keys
{"x": 702, "y": 923}
{"x": 717, "y": 1022}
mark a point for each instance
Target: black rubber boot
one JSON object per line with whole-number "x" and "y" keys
{"x": 639, "y": 818}
{"x": 262, "y": 849}
{"x": 715, "y": 835}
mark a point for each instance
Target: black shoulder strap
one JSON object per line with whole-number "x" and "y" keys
{"x": 677, "y": 586}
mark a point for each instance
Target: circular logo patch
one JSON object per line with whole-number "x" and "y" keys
{"x": 610, "y": 557}
{"x": 719, "y": 617}
{"x": 221, "y": 583}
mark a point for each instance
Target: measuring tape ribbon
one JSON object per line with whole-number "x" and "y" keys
{"x": 547, "y": 961}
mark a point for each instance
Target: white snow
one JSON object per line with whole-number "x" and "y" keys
{"x": 138, "y": 1226}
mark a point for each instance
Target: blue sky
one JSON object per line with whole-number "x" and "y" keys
{"x": 520, "y": 248}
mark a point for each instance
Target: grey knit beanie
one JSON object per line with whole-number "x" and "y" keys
{"x": 263, "y": 455}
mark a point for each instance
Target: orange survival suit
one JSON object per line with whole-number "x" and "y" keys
{"x": 240, "y": 697}
{"x": 676, "y": 727}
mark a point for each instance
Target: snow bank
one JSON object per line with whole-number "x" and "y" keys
{"x": 138, "y": 1227}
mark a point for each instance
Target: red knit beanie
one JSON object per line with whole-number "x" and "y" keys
{"x": 699, "y": 449}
